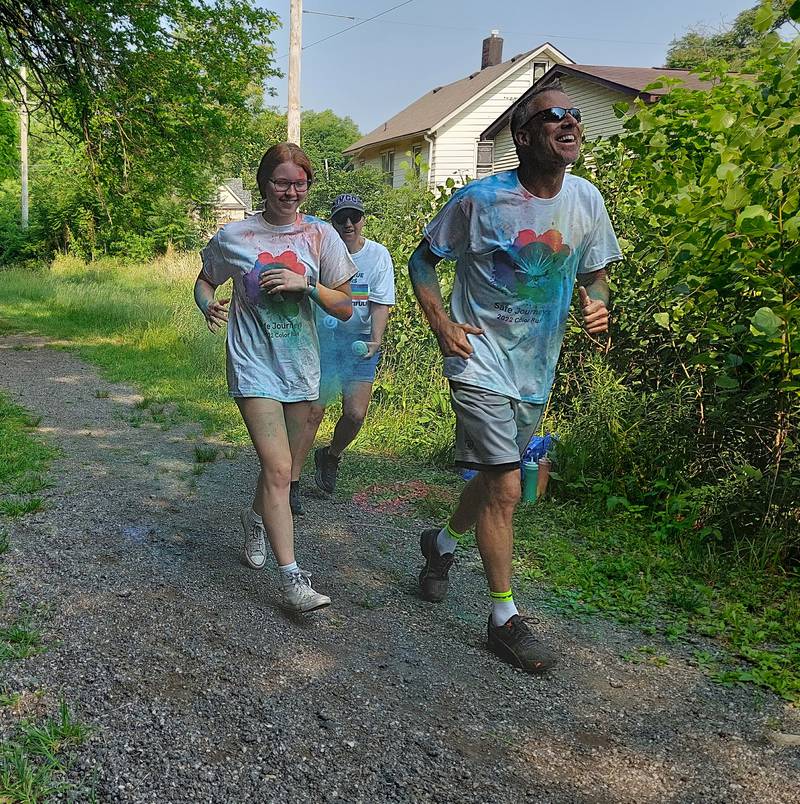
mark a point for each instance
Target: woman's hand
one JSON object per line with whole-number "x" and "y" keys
{"x": 282, "y": 280}
{"x": 216, "y": 314}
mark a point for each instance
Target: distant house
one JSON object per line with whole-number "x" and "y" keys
{"x": 594, "y": 90}
{"x": 444, "y": 126}
{"x": 231, "y": 203}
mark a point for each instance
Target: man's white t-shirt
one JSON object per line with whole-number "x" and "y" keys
{"x": 517, "y": 257}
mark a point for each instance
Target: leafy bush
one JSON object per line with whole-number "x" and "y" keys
{"x": 703, "y": 187}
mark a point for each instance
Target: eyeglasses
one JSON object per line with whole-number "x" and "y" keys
{"x": 341, "y": 217}
{"x": 283, "y": 185}
{"x": 555, "y": 114}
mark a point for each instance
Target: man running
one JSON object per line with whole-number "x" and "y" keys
{"x": 520, "y": 239}
{"x": 350, "y": 350}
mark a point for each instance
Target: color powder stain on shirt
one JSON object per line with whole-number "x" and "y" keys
{"x": 271, "y": 343}
{"x": 517, "y": 258}
{"x": 532, "y": 267}
{"x": 267, "y": 262}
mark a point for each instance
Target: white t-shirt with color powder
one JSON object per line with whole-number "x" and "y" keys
{"x": 271, "y": 345}
{"x": 374, "y": 282}
{"x": 517, "y": 257}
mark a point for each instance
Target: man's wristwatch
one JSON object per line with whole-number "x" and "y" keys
{"x": 311, "y": 285}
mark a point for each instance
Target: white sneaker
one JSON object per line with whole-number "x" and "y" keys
{"x": 255, "y": 540}
{"x": 298, "y": 595}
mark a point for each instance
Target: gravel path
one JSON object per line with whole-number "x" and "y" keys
{"x": 199, "y": 689}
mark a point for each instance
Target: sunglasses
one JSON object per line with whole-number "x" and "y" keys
{"x": 556, "y": 114}
{"x": 354, "y": 215}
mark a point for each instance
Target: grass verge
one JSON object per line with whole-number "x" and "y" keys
{"x": 35, "y": 759}
{"x": 23, "y": 461}
{"x": 34, "y": 756}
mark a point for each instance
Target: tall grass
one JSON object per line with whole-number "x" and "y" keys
{"x": 137, "y": 322}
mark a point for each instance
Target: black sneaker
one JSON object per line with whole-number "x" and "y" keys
{"x": 433, "y": 581}
{"x": 295, "y": 503}
{"x": 515, "y": 643}
{"x": 327, "y": 468}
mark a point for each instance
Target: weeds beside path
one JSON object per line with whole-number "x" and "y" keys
{"x": 37, "y": 737}
{"x": 196, "y": 687}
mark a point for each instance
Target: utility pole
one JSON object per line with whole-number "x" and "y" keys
{"x": 23, "y": 146}
{"x": 295, "y": 45}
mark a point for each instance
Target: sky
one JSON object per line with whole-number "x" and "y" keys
{"x": 373, "y": 71}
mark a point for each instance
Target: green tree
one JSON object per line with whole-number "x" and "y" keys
{"x": 324, "y": 135}
{"x": 735, "y": 45}
{"x": 9, "y": 141}
{"x": 153, "y": 90}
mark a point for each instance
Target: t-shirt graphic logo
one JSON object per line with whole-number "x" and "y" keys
{"x": 531, "y": 268}
{"x": 287, "y": 304}
{"x": 360, "y": 294}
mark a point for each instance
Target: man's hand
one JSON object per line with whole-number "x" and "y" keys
{"x": 372, "y": 348}
{"x": 453, "y": 341}
{"x": 595, "y": 313}
{"x": 216, "y": 314}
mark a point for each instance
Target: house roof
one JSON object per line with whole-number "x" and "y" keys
{"x": 627, "y": 80}
{"x": 424, "y": 114}
{"x": 236, "y": 188}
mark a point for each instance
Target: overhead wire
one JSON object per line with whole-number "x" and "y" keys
{"x": 356, "y": 25}
{"x": 465, "y": 29}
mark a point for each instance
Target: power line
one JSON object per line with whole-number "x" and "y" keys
{"x": 463, "y": 29}
{"x": 326, "y": 14}
{"x": 356, "y": 25}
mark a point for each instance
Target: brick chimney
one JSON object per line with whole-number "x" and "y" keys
{"x": 492, "y": 52}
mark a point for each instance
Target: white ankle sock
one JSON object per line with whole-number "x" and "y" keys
{"x": 447, "y": 540}
{"x": 256, "y": 517}
{"x": 288, "y": 569}
{"x": 503, "y": 608}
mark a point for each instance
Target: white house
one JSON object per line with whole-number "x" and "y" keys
{"x": 231, "y": 202}
{"x": 443, "y": 127}
{"x": 594, "y": 90}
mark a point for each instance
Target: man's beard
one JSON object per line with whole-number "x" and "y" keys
{"x": 543, "y": 158}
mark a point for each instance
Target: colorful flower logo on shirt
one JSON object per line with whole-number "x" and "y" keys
{"x": 531, "y": 268}
{"x": 288, "y": 304}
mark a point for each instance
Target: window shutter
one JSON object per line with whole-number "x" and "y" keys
{"x": 485, "y": 161}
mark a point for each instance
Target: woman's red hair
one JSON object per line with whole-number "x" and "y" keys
{"x": 277, "y": 155}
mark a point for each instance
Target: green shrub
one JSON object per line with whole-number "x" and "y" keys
{"x": 703, "y": 189}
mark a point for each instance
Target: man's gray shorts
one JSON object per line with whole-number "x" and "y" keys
{"x": 492, "y": 430}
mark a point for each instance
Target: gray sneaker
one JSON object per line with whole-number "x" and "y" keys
{"x": 298, "y": 595}
{"x": 433, "y": 580}
{"x": 327, "y": 468}
{"x": 255, "y": 540}
{"x": 516, "y": 644}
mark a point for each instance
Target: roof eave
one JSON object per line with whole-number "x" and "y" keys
{"x": 355, "y": 150}
{"x": 559, "y": 69}
{"x": 513, "y": 66}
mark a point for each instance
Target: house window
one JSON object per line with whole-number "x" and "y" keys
{"x": 387, "y": 166}
{"x": 416, "y": 159}
{"x": 539, "y": 69}
{"x": 484, "y": 162}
